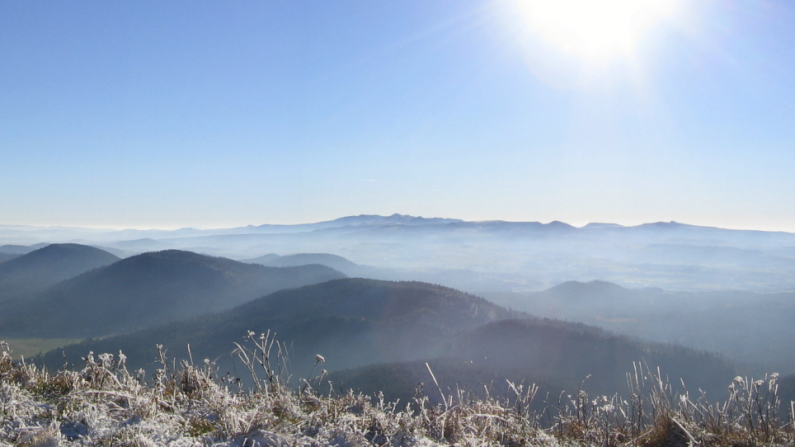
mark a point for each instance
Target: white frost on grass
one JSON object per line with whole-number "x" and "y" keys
{"x": 105, "y": 405}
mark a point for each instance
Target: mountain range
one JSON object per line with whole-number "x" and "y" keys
{"x": 487, "y": 256}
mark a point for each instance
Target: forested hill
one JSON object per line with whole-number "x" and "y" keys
{"x": 556, "y": 355}
{"x": 374, "y": 324}
{"x": 149, "y": 289}
{"x": 570, "y": 353}
{"x": 8, "y": 256}
{"x": 351, "y": 321}
{"x": 747, "y": 327}
{"x": 39, "y": 269}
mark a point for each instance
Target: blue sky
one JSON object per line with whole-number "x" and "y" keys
{"x": 205, "y": 113}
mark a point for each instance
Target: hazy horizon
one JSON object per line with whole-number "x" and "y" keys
{"x": 243, "y": 225}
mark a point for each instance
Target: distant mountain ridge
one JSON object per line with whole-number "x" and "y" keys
{"x": 38, "y": 269}
{"x": 133, "y": 236}
{"x": 372, "y": 219}
{"x": 497, "y": 255}
{"x": 336, "y": 262}
{"x": 149, "y": 289}
{"x": 578, "y": 289}
{"x": 353, "y": 270}
{"x": 20, "y": 249}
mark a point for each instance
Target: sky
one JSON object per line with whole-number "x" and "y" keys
{"x": 166, "y": 114}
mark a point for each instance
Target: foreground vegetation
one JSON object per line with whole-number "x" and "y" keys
{"x": 188, "y": 404}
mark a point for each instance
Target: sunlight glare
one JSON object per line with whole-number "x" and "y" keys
{"x": 594, "y": 29}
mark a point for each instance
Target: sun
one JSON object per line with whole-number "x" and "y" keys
{"x": 594, "y": 29}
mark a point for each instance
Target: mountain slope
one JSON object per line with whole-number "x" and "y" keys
{"x": 747, "y": 327}
{"x": 378, "y": 326}
{"x": 352, "y": 322}
{"x": 336, "y": 262}
{"x": 264, "y": 259}
{"x": 49, "y": 265}
{"x": 556, "y": 355}
{"x": 8, "y": 256}
{"x": 149, "y": 289}
{"x": 569, "y": 353}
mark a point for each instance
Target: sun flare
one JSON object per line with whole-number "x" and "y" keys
{"x": 594, "y": 29}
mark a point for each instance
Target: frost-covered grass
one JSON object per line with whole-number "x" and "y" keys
{"x": 187, "y": 404}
